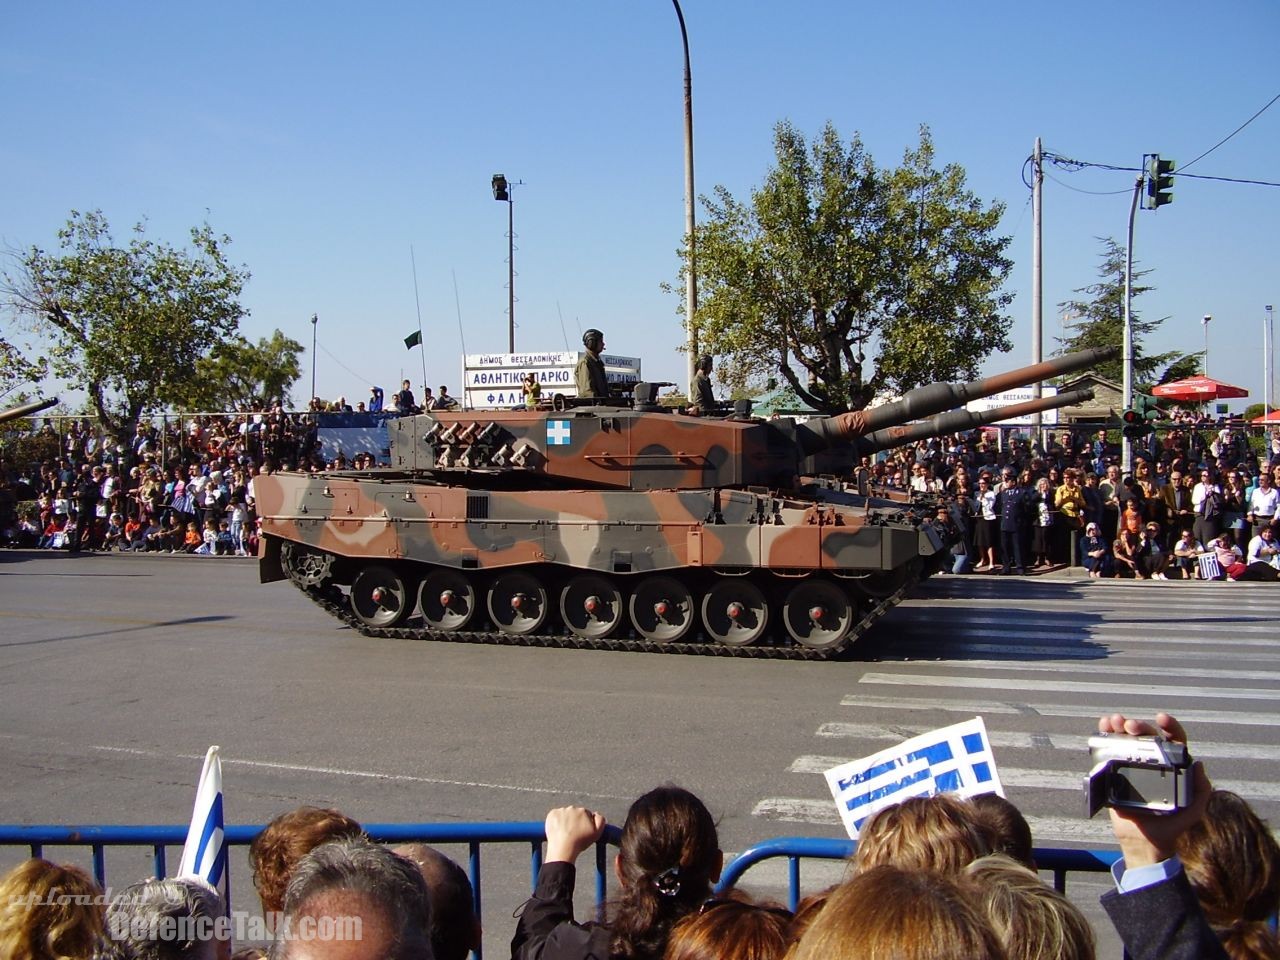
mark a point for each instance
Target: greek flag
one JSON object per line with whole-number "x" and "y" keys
{"x": 955, "y": 759}
{"x": 204, "y": 855}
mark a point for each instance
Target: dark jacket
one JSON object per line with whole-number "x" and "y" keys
{"x": 1163, "y": 922}
{"x": 547, "y": 931}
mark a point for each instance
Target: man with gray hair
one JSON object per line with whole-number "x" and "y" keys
{"x": 353, "y": 900}
{"x": 166, "y": 919}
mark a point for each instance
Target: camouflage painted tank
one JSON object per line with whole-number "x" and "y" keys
{"x": 624, "y": 528}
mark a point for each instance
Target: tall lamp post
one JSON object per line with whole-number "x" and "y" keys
{"x": 502, "y": 191}
{"x": 691, "y": 275}
{"x": 1205, "y": 320}
{"x": 315, "y": 319}
{"x": 1268, "y": 364}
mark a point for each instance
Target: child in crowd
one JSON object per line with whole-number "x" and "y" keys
{"x": 192, "y": 541}
{"x": 224, "y": 546}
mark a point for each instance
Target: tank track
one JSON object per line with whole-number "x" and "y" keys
{"x": 334, "y": 602}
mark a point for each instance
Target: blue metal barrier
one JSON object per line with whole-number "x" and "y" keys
{"x": 474, "y": 835}
{"x": 159, "y": 837}
{"x": 1060, "y": 861}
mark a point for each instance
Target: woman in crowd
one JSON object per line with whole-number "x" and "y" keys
{"x": 667, "y": 862}
{"x": 1129, "y": 553}
{"x": 49, "y": 912}
{"x": 986, "y": 530}
{"x": 889, "y": 912}
{"x": 1233, "y": 862}
{"x": 1042, "y": 511}
{"x": 1069, "y": 499}
{"x": 731, "y": 930}
{"x": 1032, "y": 920}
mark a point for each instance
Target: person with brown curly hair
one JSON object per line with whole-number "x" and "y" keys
{"x": 731, "y": 929}
{"x": 283, "y": 842}
{"x": 941, "y": 832}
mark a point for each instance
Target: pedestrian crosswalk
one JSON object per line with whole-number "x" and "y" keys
{"x": 1040, "y": 661}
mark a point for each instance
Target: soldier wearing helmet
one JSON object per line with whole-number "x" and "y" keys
{"x": 589, "y": 375}
{"x": 704, "y": 398}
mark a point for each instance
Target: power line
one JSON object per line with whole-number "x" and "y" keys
{"x": 1075, "y": 166}
{"x": 1232, "y": 134}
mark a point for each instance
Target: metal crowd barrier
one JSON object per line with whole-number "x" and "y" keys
{"x": 97, "y": 838}
{"x": 794, "y": 849}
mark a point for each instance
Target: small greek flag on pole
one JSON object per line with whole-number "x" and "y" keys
{"x": 955, "y": 759}
{"x": 204, "y": 855}
{"x": 558, "y": 433}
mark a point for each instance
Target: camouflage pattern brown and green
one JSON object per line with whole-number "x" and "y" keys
{"x": 618, "y": 527}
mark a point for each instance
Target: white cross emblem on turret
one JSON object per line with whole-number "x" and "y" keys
{"x": 558, "y": 433}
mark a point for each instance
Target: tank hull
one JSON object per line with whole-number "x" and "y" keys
{"x": 707, "y": 570}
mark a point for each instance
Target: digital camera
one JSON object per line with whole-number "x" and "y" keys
{"x": 1137, "y": 773}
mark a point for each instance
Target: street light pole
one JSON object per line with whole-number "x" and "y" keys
{"x": 1268, "y": 364}
{"x": 691, "y": 271}
{"x": 1126, "y": 445}
{"x": 315, "y": 319}
{"x": 502, "y": 190}
{"x": 1205, "y": 321}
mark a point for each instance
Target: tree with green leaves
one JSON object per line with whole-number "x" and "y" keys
{"x": 239, "y": 375}
{"x": 128, "y": 324}
{"x": 834, "y": 257}
{"x": 1098, "y": 321}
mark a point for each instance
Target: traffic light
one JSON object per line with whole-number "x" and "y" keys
{"x": 500, "y": 189}
{"x": 1139, "y": 419}
{"x": 1159, "y": 178}
{"x": 1147, "y": 407}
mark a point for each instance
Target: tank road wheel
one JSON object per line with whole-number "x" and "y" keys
{"x": 817, "y": 614}
{"x": 735, "y": 612}
{"x": 661, "y": 609}
{"x": 517, "y": 603}
{"x": 306, "y": 566}
{"x": 380, "y": 598}
{"x": 591, "y": 606}
{"x": 447, "y": 599}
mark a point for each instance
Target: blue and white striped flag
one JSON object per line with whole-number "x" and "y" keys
{"x": 955, "y": 759}
{"x": 204, "y": 855}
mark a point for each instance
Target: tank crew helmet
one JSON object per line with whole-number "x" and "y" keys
{"x": 590, "y": 335}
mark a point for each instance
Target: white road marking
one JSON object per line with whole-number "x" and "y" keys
{"x": 1124, "y": 688}
{"x": 1109, "y": 669}
{"x": 1074, "y": 710}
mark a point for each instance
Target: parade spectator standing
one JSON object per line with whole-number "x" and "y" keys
{"x": 375, "y": 400}
{"x": 986, "y": 524}
{"x": 1109, "y": 489}
{"x": 405, "y": 404}
{"x": 1263, "y": 502}
{"x": 1011, "y": 505}
{"x": 589, "y": 375}
{"x": 1176, "y": 494}
{"x": 444, "y": 401}
{"x": 1041, "y": 503}
{"x": 88, "y": 495}
{"x": 1069, "y": 500}
{"x": 1206, "y": 498}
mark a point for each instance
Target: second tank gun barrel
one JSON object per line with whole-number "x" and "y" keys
{"x": 956, "y": 421}
{"x": 934, "y": 398}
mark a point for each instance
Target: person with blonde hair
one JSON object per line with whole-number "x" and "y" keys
{"x": 888, "y": 913}
{"x": 942, "y": 833}
{"x": 1032, "y": 920}
{"x": 49, "y": 912}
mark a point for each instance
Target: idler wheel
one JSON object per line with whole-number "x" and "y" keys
{"x": 661, "y": 609}
{"x": 591, "y": 606}
{"x": 447, "y": 599}
{"x": 517, "y": 603}
{"x": 305, "y": 566}
{"x": 735, "y": 612}
{"x": 817, "y": 614}
{"x": 379, "y": 597}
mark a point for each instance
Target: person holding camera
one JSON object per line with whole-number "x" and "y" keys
{"x": 1154, "y": 908}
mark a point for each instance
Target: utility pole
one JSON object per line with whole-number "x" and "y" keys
{"x": 1268, "y": 363}
{"x": 315, "y": 319}
{"x": 691, "y": 275}
{"x": 1037, "y": 282}
{"x": 1126, "y": 444}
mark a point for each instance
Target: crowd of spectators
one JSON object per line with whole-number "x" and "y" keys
{"x": 184, "y": 485}
{"x": 932, "y": 878}
{"x": 1017, "y": 507}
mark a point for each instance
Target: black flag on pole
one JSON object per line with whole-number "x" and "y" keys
{"x": 413, "y": 340}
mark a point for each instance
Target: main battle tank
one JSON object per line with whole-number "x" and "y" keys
{"x": 625, "y": 527}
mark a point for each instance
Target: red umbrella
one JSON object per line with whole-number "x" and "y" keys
{"x": 1198, "y": 390}
{"x": 1272, "y": 417}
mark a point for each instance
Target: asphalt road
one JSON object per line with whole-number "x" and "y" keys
{"x": 117, "y": 672}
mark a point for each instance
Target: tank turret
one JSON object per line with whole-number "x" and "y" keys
{"x": 624, "y": 527}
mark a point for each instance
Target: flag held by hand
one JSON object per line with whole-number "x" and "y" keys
{"x": 204, "y": 855}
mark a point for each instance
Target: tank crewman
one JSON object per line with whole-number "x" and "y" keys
{"x": 704, "y": 398}
{"x": 589, "y": 376}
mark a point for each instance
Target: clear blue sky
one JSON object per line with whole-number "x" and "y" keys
{"x": 327, "y": 138}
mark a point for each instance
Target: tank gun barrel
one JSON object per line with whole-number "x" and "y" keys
{"x": 27, "y": 409}
{"x": 955, "y": 421}
{"x": 934, "y": 398}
